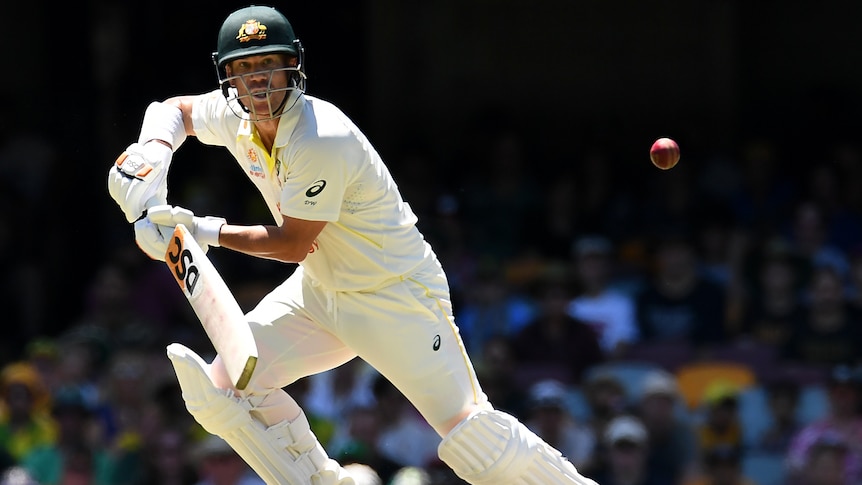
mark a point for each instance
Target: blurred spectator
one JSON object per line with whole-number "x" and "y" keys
{"x": 167, "y": 411}
{"x": 549, "y": 417}
{"x": 129, "y": 410}
{"x": 673, "y": 450}
{"x": 110, "y": 307}
{"x": 495, "y": 370}
{"x": 166, "y": 461}
{"x": 76, "y": 457}
{"x": 830, "y": 331}
{"x": 827, "y": 187}
{"x": 361, "y": 439}
{"x": 809, "y": 235}
{"x": 553, "y": 337}
{"x": 447, "y": 232}
{"x": 491, "y": 308}
{"x": 723, "y": 246}
{"x": 783, "y": 401}
{"x": 608, "y": 311}
{"x": 679, "y": 304}
{"x": 405, "y": 437}
{"x": 720, "y": 245}
{"x": 25, "y": 419}
{"x": 721, "y": 427}
{"x": 327, "y": 397}
{"x": 605, "y": 203}
{"x": 43, "y": 354}
{"x": 325, "y": 427}
{"x": 843, "y": 423}
{"x": 773, "y": 305}
{"x": 86, "y": 352}
{"x": 551, "y": 231}
{"x": 607, "y": 399}
{"x": 626, "y": 446}
{"x": 218, "y": 464}
{"x": 721, "y": 465}
{"x": 766, "y": 190}
{"x": 825, "y": 465}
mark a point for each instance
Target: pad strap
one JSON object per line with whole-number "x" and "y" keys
{"x": 163, "y": 122}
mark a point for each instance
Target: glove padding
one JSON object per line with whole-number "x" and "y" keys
{"x": 139, "y": 178}
{"x": 153, "y": 239}
{"x": 205, "y": 230}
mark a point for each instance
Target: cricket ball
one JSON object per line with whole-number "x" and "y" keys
{"x": 664, "y": 153}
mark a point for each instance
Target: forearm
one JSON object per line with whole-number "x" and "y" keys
{"x": 261, "y": 241}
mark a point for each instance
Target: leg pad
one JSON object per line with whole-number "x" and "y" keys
{"x": 494, "y": 448}
{"x": 284, "y": 453}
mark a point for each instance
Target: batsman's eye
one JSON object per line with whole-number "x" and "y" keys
{"x": 241, "y": 67}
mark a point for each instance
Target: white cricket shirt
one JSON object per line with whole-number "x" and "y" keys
{"x": 324, "y": 169}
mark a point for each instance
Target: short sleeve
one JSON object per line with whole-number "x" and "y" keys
{"x": 318, "y": 174}
{"x": 213, "y": 121}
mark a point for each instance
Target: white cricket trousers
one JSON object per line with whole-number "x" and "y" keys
{"x": 404, "y": 329}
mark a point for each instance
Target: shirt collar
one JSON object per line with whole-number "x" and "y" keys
{"x": 286, "y": 123}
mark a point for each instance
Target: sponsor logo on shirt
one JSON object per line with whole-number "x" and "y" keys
{"x": 316, "y": 188}
{"x": 256, "y": 171}
{"x": 254, "y": 167}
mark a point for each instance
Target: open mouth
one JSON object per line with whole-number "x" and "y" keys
{"x": 260, "y": 94}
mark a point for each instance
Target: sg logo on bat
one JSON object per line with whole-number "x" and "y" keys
{"x": 181, "y": 260}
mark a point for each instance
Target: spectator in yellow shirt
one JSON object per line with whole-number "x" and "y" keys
{"x": 25, "y": 419}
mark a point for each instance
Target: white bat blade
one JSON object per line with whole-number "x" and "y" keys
{"x": 213, "y": 303}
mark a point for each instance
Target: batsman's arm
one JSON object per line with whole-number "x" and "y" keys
{"x": 184, "y": 104}
{"x": 288, "y": 243}
{"x": 138, "y": 178}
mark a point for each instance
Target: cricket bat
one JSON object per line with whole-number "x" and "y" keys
{"x": 220, "y": 315}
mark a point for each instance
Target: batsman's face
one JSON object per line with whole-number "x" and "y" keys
{"x": 262, "y": 82}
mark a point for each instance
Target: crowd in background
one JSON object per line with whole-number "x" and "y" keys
{"x": 585, "y": 295}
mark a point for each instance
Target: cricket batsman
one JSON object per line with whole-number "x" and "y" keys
{"x": 367, "y": 283}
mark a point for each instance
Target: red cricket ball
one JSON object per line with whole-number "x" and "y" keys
{"x": 664, "y": 153}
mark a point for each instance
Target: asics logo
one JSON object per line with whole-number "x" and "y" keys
{"x": 316, "y": 188}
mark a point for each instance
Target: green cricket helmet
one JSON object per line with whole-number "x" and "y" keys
{"x": 258, "y": 30}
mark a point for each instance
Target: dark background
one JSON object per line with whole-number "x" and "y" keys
{"x": 427, "y": 78}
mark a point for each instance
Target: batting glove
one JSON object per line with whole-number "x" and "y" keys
{"x": 138, "y": 179}
{"x": 205, "y": 230}
{"x": 153, "y": 239}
